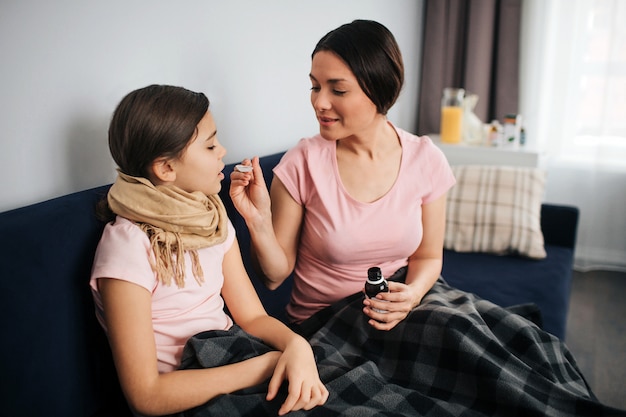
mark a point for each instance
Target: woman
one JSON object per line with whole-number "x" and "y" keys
{"x": 360, "y": 184}
{"x": 168, "y": 263}
{"x": 365, "y": 193}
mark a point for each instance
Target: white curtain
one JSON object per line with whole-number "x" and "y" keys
{"x": 573, "y": 100}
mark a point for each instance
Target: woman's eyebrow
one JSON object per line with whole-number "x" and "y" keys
{"x": 331, "y": 81}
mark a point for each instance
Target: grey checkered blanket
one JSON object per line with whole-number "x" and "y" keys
{"x": 454, "y": 355}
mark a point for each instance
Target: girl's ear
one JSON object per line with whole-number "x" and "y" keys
{"x": 163, "y": 170}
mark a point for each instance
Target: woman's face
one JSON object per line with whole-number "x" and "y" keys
{"x": 200, "y": 166}
{"x": 341, "y": 106}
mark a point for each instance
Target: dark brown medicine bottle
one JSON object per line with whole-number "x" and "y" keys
{"x": 375, "y": 283}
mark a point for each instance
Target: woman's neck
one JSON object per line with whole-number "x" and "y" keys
{"x": 370, "y": 143}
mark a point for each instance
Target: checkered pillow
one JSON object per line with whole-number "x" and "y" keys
{"x": 496, "y": 209}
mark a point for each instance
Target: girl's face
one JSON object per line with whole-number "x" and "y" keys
{"x": 200, "y": 166}
{"x": 341, "y": 106}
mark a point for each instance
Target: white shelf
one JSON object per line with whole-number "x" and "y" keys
{"x": 462, "y": 154}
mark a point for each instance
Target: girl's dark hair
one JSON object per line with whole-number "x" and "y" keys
{"x": 372, "y": 54}
{"x": 153, "y": 122}
{"x": 149, "y": 123}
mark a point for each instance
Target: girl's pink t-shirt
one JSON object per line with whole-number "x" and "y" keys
{"x": 124, "y": 253}
{"x": 342, "y": 237}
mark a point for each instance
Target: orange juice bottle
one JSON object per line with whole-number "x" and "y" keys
{"x": 452, "y": 115}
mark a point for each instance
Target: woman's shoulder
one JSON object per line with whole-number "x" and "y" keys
{"x": 308, "y": 145}
{"x": 421, "y": 147}
{"x": 307, "y": 151}
{"x": 412, "y": 139}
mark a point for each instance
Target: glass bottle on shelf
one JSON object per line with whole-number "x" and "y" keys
{"x": 452, "y": 115}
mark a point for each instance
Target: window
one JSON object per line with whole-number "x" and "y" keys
{"x": 573, "y": 100}
{"x": 578, "y": 110}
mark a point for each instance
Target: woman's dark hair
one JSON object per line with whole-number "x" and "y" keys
{"x": 372, "y": 54}
{"x": 153, "y": 122}
{"x": 149, "y": 123}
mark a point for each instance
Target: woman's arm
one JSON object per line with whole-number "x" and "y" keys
{"x": 424, "y": 268}
{"x": 297, "y": 363}
{"x": 128, "y": 309}
{"x": 274, "y": 222}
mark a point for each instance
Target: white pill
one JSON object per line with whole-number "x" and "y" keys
{"x": 243, "y": 168}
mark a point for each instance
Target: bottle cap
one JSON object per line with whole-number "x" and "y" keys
{"x": 374, "y": 275}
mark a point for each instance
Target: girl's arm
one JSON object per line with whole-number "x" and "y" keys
{"x": 274, "y": 224}
{"x": 297, "y": 363}
{"x": 128, "y": 318}
{"x": 424, "y": 268}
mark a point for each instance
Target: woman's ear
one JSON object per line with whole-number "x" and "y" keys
{"x": 163, "y": 170}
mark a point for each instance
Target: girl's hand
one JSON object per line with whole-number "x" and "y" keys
{"x": 398, "y": 303}
{"x": 249, "y": 192}
{"x": 297, "y": 366}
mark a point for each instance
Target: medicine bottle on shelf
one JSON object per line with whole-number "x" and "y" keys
{"x": 375, "y": 283}
{"x": 451, "y": 128}
{"x": 494, "y": 134}
{"x": 512, "y": 131}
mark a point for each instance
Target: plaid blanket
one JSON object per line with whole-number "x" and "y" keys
{"x": 454, "y": 355}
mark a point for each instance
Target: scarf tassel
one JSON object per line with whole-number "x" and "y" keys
{"x": 167, "y": 266}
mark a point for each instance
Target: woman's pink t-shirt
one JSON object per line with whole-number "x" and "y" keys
{"x": 342, "y": 237}
{"x": 124, "y": 253}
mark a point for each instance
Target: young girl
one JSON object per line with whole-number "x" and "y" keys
{"x": 169, "y": 260}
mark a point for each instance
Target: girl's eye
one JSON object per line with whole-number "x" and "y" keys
{"x": 316, "y": 89}
{"x": 211, "y": 147}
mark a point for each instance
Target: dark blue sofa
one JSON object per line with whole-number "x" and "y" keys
{"x": 55, "y": 359}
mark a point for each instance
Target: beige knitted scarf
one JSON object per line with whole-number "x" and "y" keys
{"x": 174, "y": 220}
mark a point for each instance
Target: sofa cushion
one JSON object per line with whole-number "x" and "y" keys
{"x": 496, "y": 209}
{"x": 512, "y": 280}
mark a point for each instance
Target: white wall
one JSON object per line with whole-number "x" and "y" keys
{"x": 66, "y": 64}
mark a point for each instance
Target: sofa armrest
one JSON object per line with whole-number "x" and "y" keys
{"x": 559, "y": 224}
